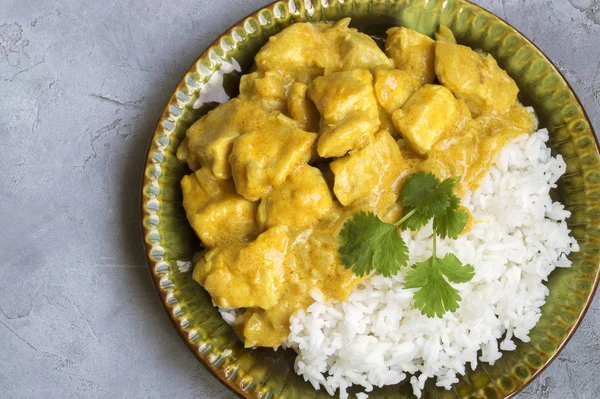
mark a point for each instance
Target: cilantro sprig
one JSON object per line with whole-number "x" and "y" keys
{"x": 368, "y": 244}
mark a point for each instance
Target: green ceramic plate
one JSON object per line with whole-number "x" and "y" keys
{"x": 170, "y": 242}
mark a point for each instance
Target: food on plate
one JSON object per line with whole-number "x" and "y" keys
{"x": 384, "y": 212}
{"x": 412, "y": 52}
{"x": 348, "y": 108}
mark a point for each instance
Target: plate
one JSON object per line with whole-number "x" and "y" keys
{"x": 214, "y": 77}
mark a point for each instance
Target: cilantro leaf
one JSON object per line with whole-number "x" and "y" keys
{"x": 454, "y": 202}
{"x": 369, "y": 244}
{"x": 425, "y": 192}
{"x": 435, "y": 295}
{"x": 414, "y": 221}
{"x": 417, "y": 186}
{"x": 418, "y": 275}
{"x": 454, "y": 270}
{"x": 451, "y": 223}
{"x": 393, "y": 254}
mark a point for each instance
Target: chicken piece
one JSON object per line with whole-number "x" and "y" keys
{"x": 453, "y": 156}
{"x": 475, "y": 79}
{"x": 263, "y": 159}
{"x": 393, "y": 87}
{"x": 495, "y": 131}
{"x": 260, "y": 330}
{"x": 245, "y": 275}
{"x": 319, "y": 260}
{"x": 444, "y": 34}
{"x": 412, "y": 52}
{"x": 385, "y": 121}
{"x": 471, "y": 153}
{"x": 348, "y": 109}
{"x": 312, "y": 264}
{"x": 360, "y": 51}
{"x": 301, "y": 109}
{"x": 301, "y": 200}
{"x": 516, "y": 121}
{"x": 301, "y": 50}
{"x": 186, "y": 156}
{"x": 226, "y": 219}
{"x": 201, "y": 187}
{"x": 426, "y": 115}
{"x": 354, "y": 49}
{"x": 209, "y": 140}
{"x": 266, "y": 89}
{"x": 370, "y": 174}
{"x": 215, "y": 211}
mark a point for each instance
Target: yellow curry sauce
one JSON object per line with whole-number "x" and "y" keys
{"x": 327, "y": 125}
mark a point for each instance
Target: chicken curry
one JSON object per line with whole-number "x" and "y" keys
{"x": 326, "y": 125}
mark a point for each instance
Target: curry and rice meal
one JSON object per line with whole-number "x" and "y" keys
{"x": 386, "y": 214}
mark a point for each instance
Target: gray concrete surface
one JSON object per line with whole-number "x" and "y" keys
{"x": 81, "y": 86}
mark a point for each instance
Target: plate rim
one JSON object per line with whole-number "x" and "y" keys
{"x": 218, "y": 373}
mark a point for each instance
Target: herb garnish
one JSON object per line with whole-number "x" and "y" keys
{"x": 369, "y": 244}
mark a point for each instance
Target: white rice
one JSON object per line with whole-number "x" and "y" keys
{"x": 378, "y": 338}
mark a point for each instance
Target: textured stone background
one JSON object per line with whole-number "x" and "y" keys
{"x": 81, "y": 86}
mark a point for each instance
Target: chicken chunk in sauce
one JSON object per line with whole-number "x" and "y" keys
{"x": 348, "y": 109}
{"x": 412, "y": 52}
{"x": 474, "y": 78}
{"x": 216, "y": 212}
{"x": 263, "y": 158}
